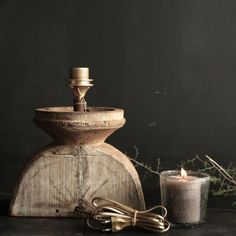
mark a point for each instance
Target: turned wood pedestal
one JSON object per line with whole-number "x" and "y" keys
{"x": 78, "y": 167}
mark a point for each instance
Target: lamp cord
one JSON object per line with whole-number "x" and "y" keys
{"x": 109, "y": 215}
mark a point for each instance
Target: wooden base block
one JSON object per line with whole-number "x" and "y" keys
{"x": 60, "y": 177}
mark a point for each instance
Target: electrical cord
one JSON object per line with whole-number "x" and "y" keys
{"x": 109, "y": 215}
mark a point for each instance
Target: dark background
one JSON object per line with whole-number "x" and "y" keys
{"x": 170, "y": 64}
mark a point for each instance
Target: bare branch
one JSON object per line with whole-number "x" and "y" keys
{"x": 148, "y": 168}
{"x": 221, "y": 170}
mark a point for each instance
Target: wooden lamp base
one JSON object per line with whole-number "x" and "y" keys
{"x": 78, "y": 167}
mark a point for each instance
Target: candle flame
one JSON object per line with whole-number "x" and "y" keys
{"x": 183, "y": 173}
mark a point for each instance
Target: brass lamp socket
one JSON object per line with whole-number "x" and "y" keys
{"x": 79, "y": 83}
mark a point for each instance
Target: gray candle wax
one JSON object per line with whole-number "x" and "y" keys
{"x": 183, "y": 196}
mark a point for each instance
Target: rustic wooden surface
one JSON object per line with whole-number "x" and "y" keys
{"x": 79, "y": 128}
{"x": 60, "y": 177}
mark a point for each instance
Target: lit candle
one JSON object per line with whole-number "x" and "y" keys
{"x": 183, "y": 198}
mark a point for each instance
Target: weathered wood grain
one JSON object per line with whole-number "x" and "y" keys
{"x": 61, "y": 177}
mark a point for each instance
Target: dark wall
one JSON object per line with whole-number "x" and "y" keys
{"x": 170, "y": 64}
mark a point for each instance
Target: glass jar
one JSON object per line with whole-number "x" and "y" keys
{"x": 185, "y": 198}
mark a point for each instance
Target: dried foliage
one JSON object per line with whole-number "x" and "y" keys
{"x": 147, "y": 167}
{"x": 223, "y": 180}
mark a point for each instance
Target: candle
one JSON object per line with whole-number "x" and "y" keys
{"x": 183, "y": 198}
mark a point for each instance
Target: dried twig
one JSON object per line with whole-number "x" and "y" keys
{"x": 222, "y": 171}
{"x": 223, "y": 183}
{"x": 146, "y": 167}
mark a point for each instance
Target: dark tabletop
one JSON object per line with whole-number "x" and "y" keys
{"x": 219, "y": 222}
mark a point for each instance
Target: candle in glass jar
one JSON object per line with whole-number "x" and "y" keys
{"x": 183, "y": 197}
